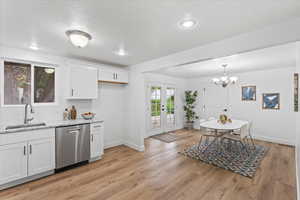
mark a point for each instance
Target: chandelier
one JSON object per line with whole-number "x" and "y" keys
{"x": 225, "y": 79}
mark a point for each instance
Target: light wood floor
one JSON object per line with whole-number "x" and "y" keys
{"x": 161, "y": 173}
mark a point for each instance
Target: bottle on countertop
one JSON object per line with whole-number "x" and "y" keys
{"x": 66, "y": 114}
{"x": 73, "y": 113}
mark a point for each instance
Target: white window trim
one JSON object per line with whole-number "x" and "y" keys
{"x": 32, "y": 64}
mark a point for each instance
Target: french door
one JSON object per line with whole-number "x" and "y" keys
{"x": 161, "y": 101}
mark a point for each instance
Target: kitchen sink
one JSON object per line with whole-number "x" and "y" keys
{"x": 25, "y": 126}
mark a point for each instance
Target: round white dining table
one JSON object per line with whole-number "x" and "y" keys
{"x": 216, "y": 125}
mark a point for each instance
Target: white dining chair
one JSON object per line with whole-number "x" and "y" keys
{"x": 206, "y": 133}
{"x": 202, "y": 120}
{"x": 249, "y": 133}
{"x": 205, "y": 130}
{"x": 240, "y": 137}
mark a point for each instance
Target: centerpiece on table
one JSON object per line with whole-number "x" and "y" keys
{"x": 223, "y": 118}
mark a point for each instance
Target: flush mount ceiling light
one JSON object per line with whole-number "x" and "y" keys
{"x": 78, "y": 38}
{"x": 121, "y": 52}
{"x": 225, "y": 79}
{"x": 34, "y": 47}
{"x": 187, "y": 24}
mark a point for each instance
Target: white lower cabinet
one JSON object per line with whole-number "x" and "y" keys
{"x": 26, "y": 154}
{"x": 97, "y": 144}
{"x": 13, "y": 159}
{"x": 41, "y": 156}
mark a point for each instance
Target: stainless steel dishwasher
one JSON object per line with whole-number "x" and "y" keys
{"x": 72, "y": 145}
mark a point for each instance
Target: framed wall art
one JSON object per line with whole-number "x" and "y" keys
{"x": 248, "y": 93}
{"x": 271, "y": 101}
{"x": 296, "y": 92}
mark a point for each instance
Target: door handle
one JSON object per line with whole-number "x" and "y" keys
{"x": 72, "y": 92}
{"x": 30, "y": 149}
{"x": 24, "y": 151}
{"x": 77, "y": 128}
{"x": 97, "y": 126}
{"x": 92, "y": 138}
{"x": 73, "y": 132}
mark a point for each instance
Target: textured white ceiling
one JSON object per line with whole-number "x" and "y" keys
{"x": 272, "y": 57}
{"x": 147, "y": 29}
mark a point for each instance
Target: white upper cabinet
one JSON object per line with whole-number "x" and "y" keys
{"x": 106, "y": 76}
{"x": 122, "y": 77}
{"x": 83, "y": 83}
{"x": 113, "y": 76}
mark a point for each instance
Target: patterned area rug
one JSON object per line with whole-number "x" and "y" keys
{"x": 171, "y": 136}
{"x": 229, "y": 155}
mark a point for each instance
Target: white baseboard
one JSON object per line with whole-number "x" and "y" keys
{"x": 126, "y": 143}
{"x": 113, "y": 144}
{"x": 134, "y": 146}
{"x": 274, "y": 140}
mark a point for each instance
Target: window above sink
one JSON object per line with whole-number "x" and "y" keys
{"x": 25, "y": 82}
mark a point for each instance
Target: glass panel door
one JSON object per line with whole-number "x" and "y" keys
{"x": 161, "y": 109}
{"x": 155, "y": 107}
{"x": 170, "y": 107}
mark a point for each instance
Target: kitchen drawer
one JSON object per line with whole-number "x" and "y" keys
{"x": 17, "y": 137}
{"x": 96, "y": 127}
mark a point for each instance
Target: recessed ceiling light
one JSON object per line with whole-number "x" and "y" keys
{"x": 34, "y": 47}
{"x": 187, "y": 24}
{"x": 78, "y": 38}
{"x": 121, "y": 52}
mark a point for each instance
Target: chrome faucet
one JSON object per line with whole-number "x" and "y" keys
{"x": 26, "y": 119}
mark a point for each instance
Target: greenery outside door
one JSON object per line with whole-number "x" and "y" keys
{"x": 161, "y": 108}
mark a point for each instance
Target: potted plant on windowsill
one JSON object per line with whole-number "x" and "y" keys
{"x": 190, "y": 114}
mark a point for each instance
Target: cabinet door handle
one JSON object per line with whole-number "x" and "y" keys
{"x": 116, "y": 76}
{"x": 24, "y": 151}
{"x": 72, "y": 92}
{"x": 97, "y": 126}
{"x": 30, "y": 149}
{"x": 92, "y": 138}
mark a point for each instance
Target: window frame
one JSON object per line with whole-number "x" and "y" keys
{"x": 32, "y": 65}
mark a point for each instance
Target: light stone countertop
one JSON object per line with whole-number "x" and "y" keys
{"x": 50, "y": 124}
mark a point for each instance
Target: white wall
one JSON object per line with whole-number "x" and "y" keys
{"x": 270, "y": 125}
{"x": 298, "y": 130}
{"x": 135, "y": 111}
{"x": 109, "y": 106}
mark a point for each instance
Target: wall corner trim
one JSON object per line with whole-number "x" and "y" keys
{"x": 134, "y": 146}
{"x": 113, "y": 144}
